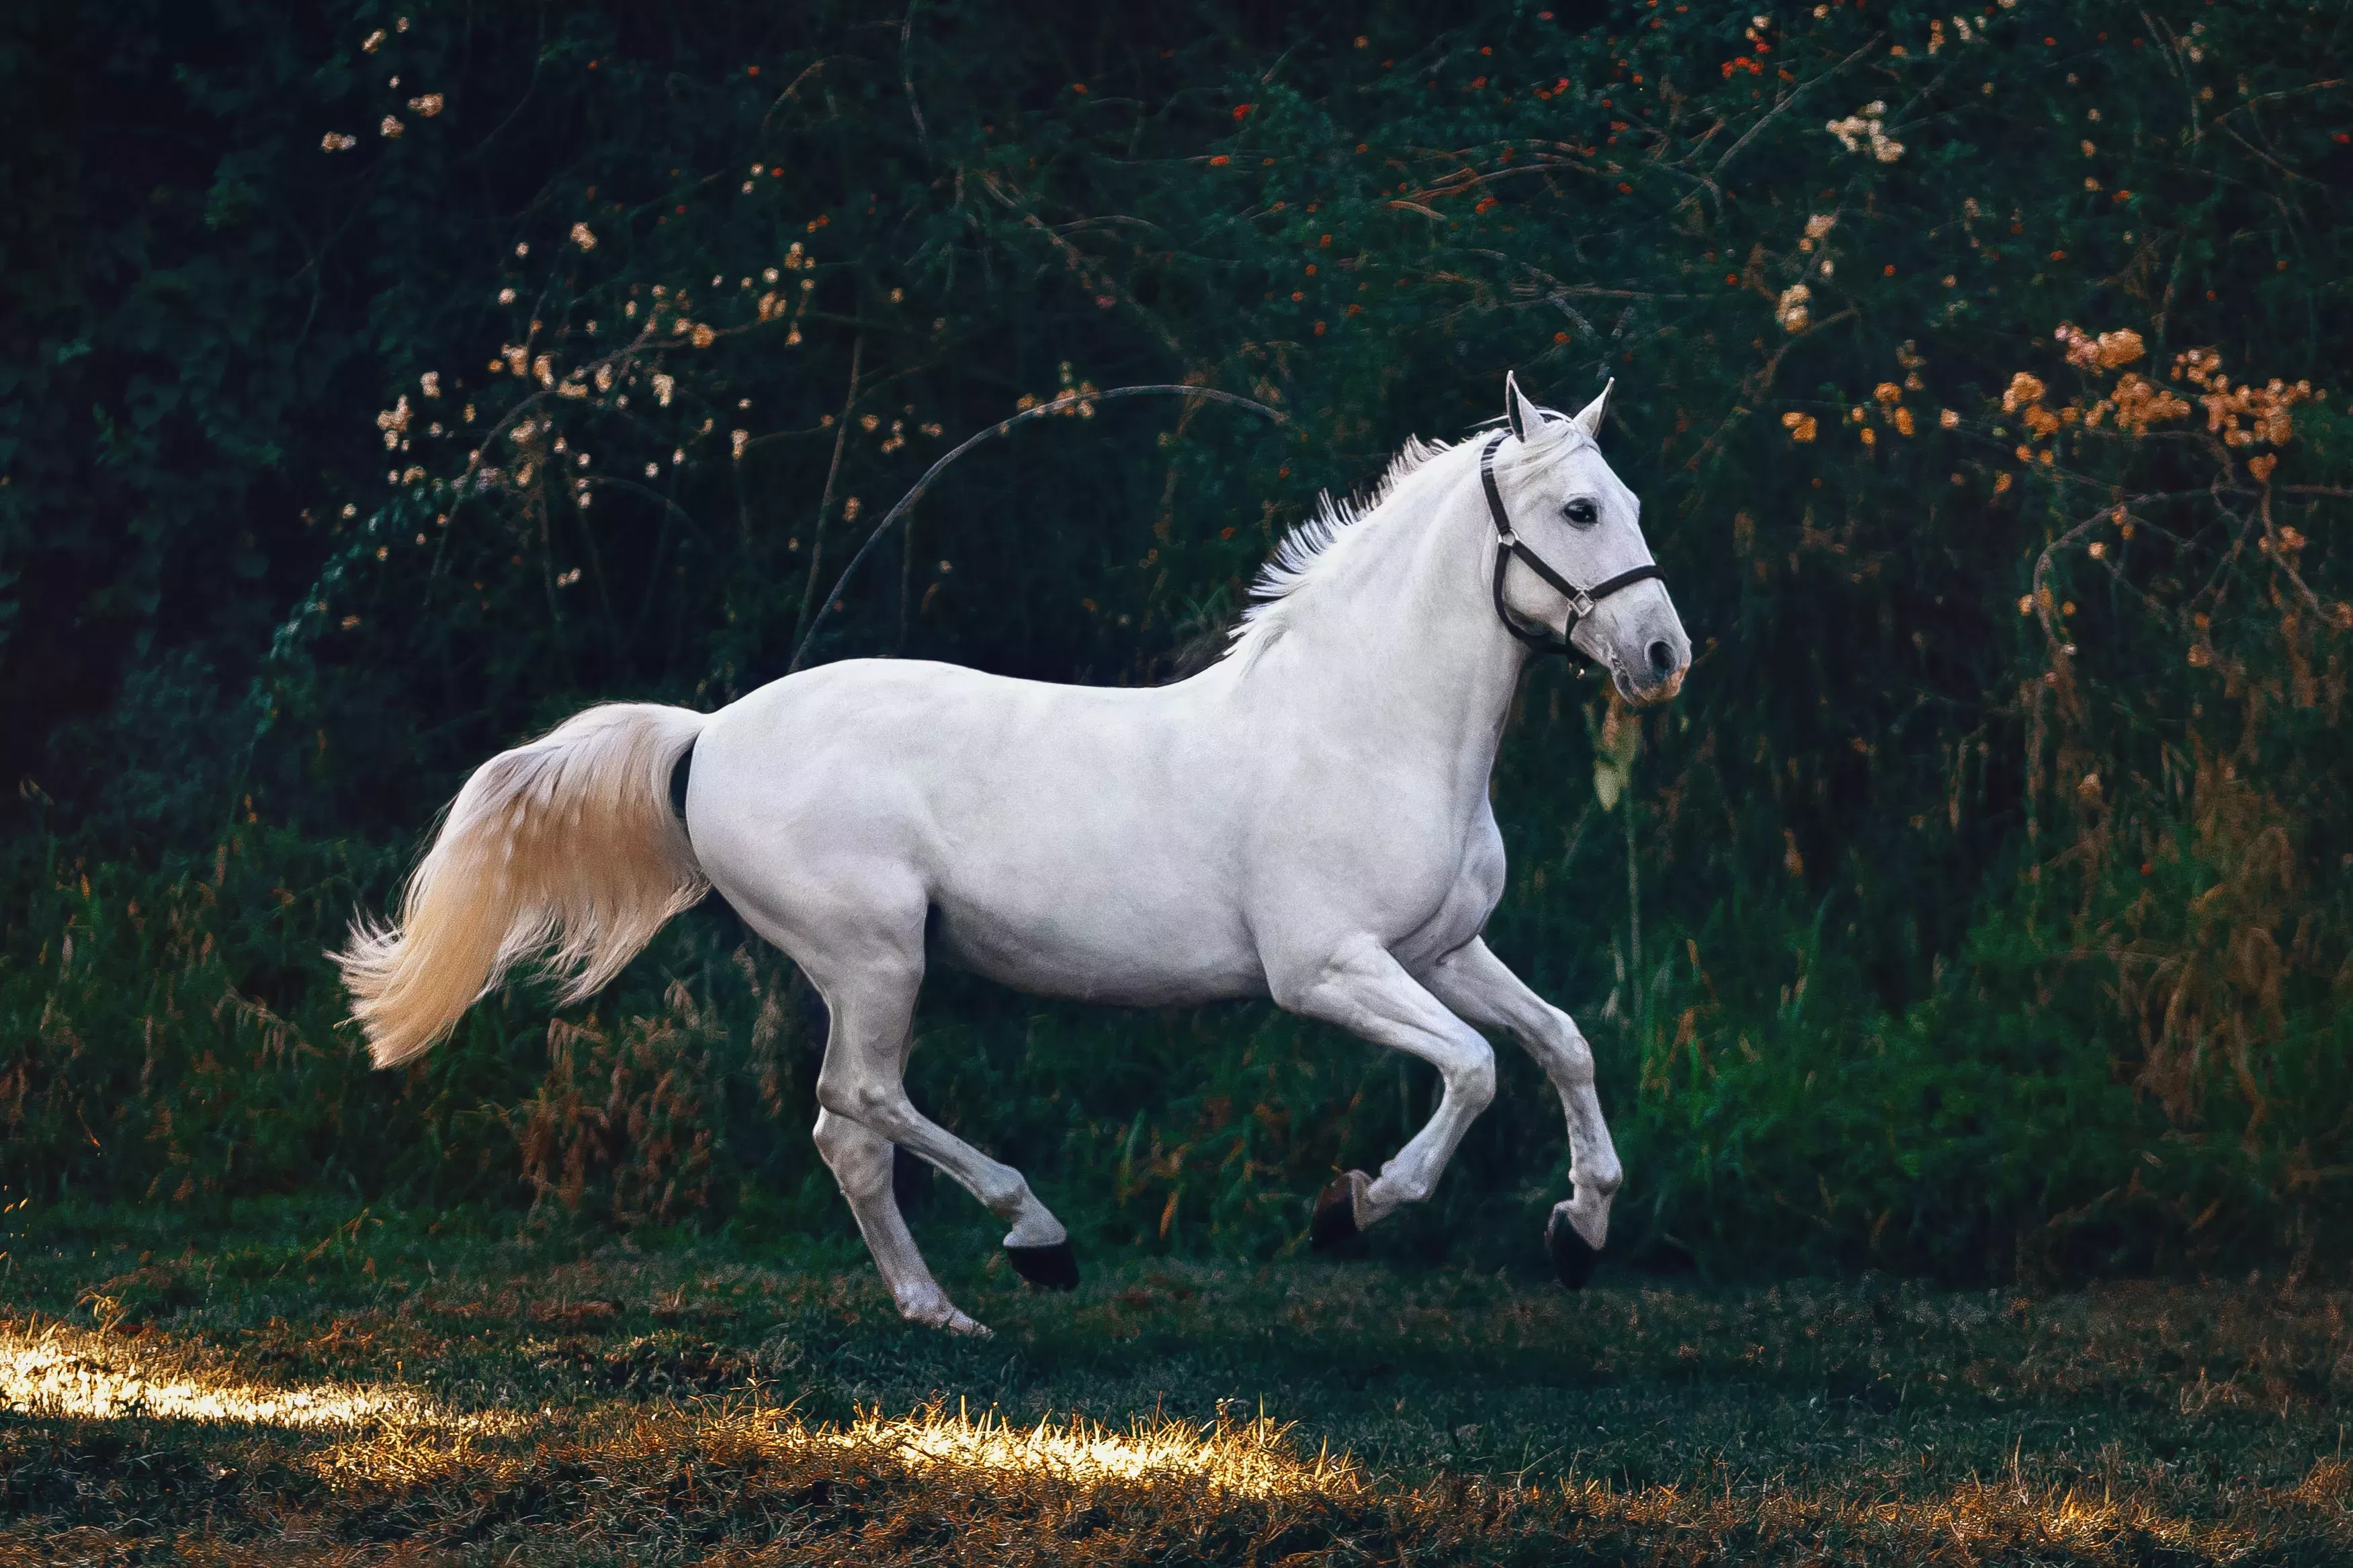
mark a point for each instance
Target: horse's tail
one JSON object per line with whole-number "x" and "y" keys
{"x": 568, "y": 843}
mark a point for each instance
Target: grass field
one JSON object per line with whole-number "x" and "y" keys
{"x": 297, "y": 1390}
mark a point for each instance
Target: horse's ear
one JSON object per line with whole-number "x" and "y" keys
{"x": 1519, "y": 412}
{"x": 1588, "y": 418}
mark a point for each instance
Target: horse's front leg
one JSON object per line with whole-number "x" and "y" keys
{"x": 1365, "y": 991}
{"x": 1473, "y": 982}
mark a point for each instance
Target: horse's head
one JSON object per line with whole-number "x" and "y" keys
{"x": 1576, "y": 517}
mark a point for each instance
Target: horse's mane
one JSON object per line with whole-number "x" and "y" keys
{"x": 1300, "y": 550}
{"x": 1295, "y": 553}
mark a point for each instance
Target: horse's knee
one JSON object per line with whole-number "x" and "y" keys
{"x": 1471, "y": 1078}
{"x": 1569, "y": 1059}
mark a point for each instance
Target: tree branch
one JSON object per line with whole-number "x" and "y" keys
{"x": 1065, "y": 403}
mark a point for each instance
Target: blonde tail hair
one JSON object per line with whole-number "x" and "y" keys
{"x": 566, "y": 843}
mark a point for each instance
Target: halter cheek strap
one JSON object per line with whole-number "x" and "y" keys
{"x": 1510, "y": 547}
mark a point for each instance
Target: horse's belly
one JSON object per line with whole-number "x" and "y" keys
{"x": 1131, "y": 954}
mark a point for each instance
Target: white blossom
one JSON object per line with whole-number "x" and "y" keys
{"x": 1865, "y": 128}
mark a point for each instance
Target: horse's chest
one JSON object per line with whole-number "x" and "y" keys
{"x": 1459, "y": 911}
{"x": 1422, "y": 889}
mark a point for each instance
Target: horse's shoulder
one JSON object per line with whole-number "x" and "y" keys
{"x": 1483, "y": 862}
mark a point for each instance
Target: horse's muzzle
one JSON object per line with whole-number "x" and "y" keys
{"x": 1649, "y": 666}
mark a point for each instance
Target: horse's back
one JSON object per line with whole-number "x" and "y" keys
{"x": 1066, "y": 839}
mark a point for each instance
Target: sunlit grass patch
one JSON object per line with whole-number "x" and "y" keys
{"x": 57, "y": 1369}
{"x": 1252, "y": 1458}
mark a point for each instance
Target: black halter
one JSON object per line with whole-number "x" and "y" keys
{"x": 1508, "y": 546}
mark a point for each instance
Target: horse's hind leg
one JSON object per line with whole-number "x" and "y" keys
{"x": 859, "y": 941}
{"x": 862, "y": 1162}
{"x": 863, "y": 1081}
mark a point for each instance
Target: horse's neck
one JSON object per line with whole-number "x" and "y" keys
{"x": 1407, "y": 649}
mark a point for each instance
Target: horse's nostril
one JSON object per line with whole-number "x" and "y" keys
{"x": 1662, "y": 660}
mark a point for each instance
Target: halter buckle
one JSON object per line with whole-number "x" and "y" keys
{"x": 1582, "y": 604}
{"x": 1508, "y": 539}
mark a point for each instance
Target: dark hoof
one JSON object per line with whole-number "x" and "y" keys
{"x": 1573, "y": 1256}
{"x": 1334, "y": 1224}
{"x": 1054, "y": 1268}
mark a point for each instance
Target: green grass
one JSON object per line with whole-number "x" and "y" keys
{"x": 560, "y": 1398}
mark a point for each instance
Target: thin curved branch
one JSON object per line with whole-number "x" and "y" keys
{"x": 1796, "y": 91}
{"x": 1062, "y": 405}
{"x": 825, "y": 503}
{"x": 786, "y": 96}
{"x": 907, "y": 76}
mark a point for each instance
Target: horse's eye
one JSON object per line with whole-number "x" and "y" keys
{"x": 1582, "y": 513}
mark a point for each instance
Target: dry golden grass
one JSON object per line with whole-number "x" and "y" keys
{"x": 758, "y": 1486}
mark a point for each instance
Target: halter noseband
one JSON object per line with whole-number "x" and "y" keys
{"x": 1581, "y": 601}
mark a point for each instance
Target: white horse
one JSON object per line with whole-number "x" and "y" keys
{"x": 1306, "y": 819}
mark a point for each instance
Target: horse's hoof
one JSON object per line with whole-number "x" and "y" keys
{"x": 1054, "y": 1268}
{"x": 1334, "y": 1224}
{"x": 1573, "y": 1256}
